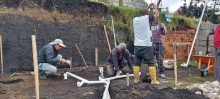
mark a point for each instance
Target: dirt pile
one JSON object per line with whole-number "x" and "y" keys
{"x": 147, "y": 91}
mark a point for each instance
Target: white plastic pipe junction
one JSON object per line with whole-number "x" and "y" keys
{"x": 105, "y": 81}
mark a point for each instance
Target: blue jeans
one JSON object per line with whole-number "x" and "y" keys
{"x": 49, "y": 68}
{"x": 217, "y": 65}
{"x": 159, "y": 53}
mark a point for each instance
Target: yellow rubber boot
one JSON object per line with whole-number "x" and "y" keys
{"x": 152, "y": 72}
{"x": 136, "y": 74}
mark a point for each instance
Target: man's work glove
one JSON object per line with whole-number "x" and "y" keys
{"x": 118, "y": 73}
{"x": 68, "y": 62}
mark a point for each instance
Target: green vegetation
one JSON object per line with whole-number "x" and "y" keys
{"x": 189, "y": 22}
{"x": 123, "y": 21}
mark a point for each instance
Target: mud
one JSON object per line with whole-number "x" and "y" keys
{"x": 57, "y": 88}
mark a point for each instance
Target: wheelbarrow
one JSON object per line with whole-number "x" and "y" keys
{"x": 205, "y": 64}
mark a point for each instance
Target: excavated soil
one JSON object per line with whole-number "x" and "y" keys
{"x": 58, "y": 88}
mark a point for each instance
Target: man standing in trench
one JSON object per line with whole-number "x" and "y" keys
{"x": 216, "y": 41}
{"x": 143, "y": 44}
{"x": 48, "y": 58}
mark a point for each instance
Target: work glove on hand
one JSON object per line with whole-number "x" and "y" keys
{"x": 68, "y": 62}
{"x": 118, "y": 73}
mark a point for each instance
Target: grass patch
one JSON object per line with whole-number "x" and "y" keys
{"x": 190, "y": 22}
{"x": 191, "y": 62}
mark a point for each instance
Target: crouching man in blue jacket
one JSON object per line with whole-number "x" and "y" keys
{"x": 48, "y": 58}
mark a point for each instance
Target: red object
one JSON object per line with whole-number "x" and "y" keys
{"x": 106, "y": 35}
{"x": 216, "y": 39}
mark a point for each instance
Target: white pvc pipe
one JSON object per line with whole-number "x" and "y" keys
{"x": 197, "y": 31}
{"x": 79, "y": 84}
{"x": 106, "y": 94}
{"x": 117, "y": 77}
{"x": 75, "y": 76}
{"x": 105, "y": 81}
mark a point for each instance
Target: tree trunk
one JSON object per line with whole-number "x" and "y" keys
{"x": 158, "y": 3}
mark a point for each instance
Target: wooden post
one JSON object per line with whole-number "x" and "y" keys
{"x": 81, "y": 56}
{"x": 96, "y": 57}
{"x": 127, "y": 79}
{"x": 113, "y": 29}
{"x": 71, "y": 60}
{"x": 175, "y": 64}
{"x": 106, "y": 35}
{"x": 35, "y": 62}
{"x": 1, "y": 52}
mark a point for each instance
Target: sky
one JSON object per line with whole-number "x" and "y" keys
{"x": 172, "y": 4}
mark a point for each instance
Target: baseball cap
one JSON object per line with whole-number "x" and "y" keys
{"x": 58, "y": 41}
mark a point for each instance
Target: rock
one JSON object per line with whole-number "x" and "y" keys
{"x": 207, "y": 82}
{"x": 214, "y": 93}
{"x": 216, "y": 89}
{"x": 188, "y": 87}
{"x": 215, "y": 83}
{"x": 205, "y": 91}
{"x": 201, "y": 86}
{"x": 210, "y": 89}
{"x": 217, "y": 97}
{"x": 88, "y": 93}
{"x": 210, "y": 95}
{"x": 198, "y": 92}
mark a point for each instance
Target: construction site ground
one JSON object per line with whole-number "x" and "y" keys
{"x": 21, "y": 85}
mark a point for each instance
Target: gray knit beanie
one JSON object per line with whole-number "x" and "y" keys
{"x": 121, "y": 46}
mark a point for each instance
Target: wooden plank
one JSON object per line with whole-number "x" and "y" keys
{"x": 71, "y": 60}
{"x": 1, "y": 52}
{"x": 96, "y": 57}
{"x": 35, "y": 62}
{"x": 81, "y": 56}
{"x": 175, "y": 64}
{"x": 106, "y": 35}
{"x": 127, "y": 79}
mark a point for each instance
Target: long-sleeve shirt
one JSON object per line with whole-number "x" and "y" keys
{"x": 158, "y": 33}
{"x": 48, "y": 54}
{"x": 216, "y": 39}
{"x": 115, "y": 58}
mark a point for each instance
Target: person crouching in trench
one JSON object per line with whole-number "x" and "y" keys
{"x": 118, "y": 59}
{"x": 49, "y": 58}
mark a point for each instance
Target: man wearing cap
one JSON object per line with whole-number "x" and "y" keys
{"x": 48, "y": 57}
{"x": 118, "y": 59}
{"x": 216, "y": 41}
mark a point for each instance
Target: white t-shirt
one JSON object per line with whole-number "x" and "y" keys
{"x": 142, "y": 32}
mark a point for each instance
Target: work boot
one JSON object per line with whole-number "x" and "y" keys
{"x": 42, "y": 75}
{"x": 152, "y": 72}
{"x": 54, "y": 75}
{"x": 136, "y": 74}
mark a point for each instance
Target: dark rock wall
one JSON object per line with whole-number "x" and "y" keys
{"x": 16, "y": 31}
